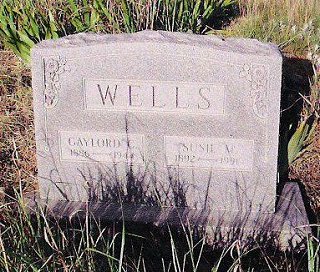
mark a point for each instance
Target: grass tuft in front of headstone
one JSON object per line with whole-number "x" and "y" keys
{"x": 36, "y": 242}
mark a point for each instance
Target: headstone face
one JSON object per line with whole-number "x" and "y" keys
{"x": 159, "y": 119}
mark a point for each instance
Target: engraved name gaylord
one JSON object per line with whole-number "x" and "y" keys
{"x": 201, "y": 98}
{"x": 100, "y": 146}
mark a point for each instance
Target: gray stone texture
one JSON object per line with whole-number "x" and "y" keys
{"x": 196, "y": 116}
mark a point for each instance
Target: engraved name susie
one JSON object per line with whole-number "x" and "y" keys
{"x": 182, "y": 97}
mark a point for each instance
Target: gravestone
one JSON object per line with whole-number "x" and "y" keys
{"x": 158, "y": 119}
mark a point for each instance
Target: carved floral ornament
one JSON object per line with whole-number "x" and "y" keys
{"x": 53, "y": 68}
{"x": 256, "y": 75}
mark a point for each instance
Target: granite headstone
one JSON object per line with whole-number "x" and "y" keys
{"x": 158, "y": 119}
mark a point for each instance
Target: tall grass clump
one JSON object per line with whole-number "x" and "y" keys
{"x": 25, "y": 22}
{"x": 32, "y": 240}
{"x": 37, "y": 242}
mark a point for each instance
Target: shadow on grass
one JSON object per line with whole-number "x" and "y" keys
{"x": 160, "y": 238}
{"x": 85, "y": 243}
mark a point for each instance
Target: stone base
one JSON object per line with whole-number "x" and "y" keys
{"x": 289, "y": 225}
{"x": 294, "y": 220}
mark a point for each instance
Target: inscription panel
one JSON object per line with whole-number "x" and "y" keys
{"x": 213, "y": 153}
{"x": 101, "y": 147}
{"x": 137, "y": 95}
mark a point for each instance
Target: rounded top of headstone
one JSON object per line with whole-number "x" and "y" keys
{"x": 235, "y": 45}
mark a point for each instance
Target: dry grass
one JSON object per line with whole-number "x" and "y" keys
{"x": 17, "y": 144}
{"x": 296, "y": 11}
{"x": 307, "y": 169}
{"x": 292, "y": 24}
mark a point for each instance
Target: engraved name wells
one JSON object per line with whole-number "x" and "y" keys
{"x": 195, "y": 98}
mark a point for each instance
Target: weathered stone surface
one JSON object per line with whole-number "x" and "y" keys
{"x": 158, "y": 119}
